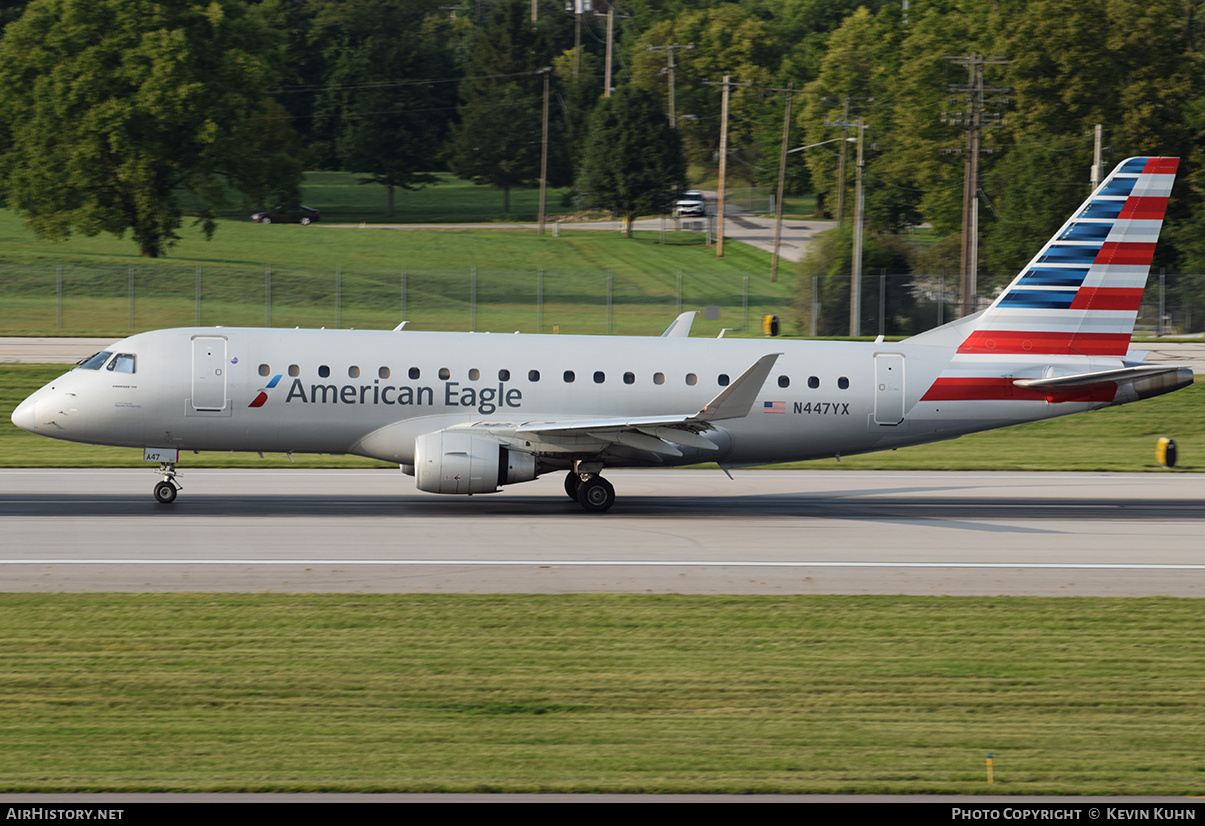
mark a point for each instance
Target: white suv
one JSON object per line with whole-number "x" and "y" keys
{"x": 692, "y": 203}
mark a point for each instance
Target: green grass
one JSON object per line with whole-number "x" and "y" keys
{"x": 265, "y": 692}
{"x": 1115, "y": 439}
{"x": 309, "y": 267}
{"x": 341, "y": 197}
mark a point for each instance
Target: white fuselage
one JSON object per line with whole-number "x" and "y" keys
{"x": 372, "y": 393}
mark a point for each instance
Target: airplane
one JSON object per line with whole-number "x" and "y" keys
{"x": 470, "y": 413}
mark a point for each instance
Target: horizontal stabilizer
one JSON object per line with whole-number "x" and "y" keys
{"x": 1132, "y": 383}
{"x": 1079, "y": 381}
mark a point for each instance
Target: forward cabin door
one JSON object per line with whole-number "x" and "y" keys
{"x": 888, "y": 388}
{"x": 208, "y": 373}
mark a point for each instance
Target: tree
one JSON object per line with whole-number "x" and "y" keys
{"x": 109, "y": 108}
{"x": 392, "y": 123}
{"x": 633, "y": 162}
{"x": 825, "y": 281}
{"x": 499, "y": 144}
{"x": 498, "y": 140}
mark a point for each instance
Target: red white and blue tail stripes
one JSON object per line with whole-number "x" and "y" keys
{"x": 1075, "y": 302}
{"x": 1081, "y": 293}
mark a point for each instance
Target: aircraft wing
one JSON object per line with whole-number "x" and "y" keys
{"x": 654, "y": 435}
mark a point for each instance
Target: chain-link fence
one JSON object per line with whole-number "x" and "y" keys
{"x": 902, "y": 304}
{"x": 109, "y": 300}
{"x": 115, "y": 300}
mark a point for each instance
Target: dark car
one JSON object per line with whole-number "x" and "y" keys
{"x": 303, "y": 215}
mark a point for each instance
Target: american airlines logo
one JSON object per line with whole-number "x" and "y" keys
{"x": 486, "y": 400}
{"x": 263, "y": 392}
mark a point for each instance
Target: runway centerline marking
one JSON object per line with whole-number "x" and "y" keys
{"x": 564, "y": 563}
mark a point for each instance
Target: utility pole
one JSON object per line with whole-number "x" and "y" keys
{"x": 580, "y": 7}
{"x": 841, "y": 164}
{"x": 719, "y": 242}
{"x": 782, "y": 179}
{"x": 610, "y": 46}
{"x": 546, "y": 72}
{"x": 846, "y": 124}
{"x": 719, "y": 245}
{"x": 670, "y": 69}
{"x": 974, "y": 121}
{"x": 1096, "y": 156}
{"x": 855, "y": 278}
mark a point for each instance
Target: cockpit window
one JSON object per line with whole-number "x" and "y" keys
{"x": 124, "y": 363}
{"x": 95, "y": 362}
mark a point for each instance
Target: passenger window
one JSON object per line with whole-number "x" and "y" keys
{"x": 353, "y": 372}
{"x": 324, "y": 372}
{"x": 813, "y": 382}
{"x": 383, "y": 372}
{"x": 533, "y": 375}
{"x": 599, "y": 376}
{"x": 691, "y": 379}
{"x": 843, "y": 383}
{"x": 414, "y": 373}
{"x": 445, "y": 373}
{"x": 503, "y": 375}
{"x": 722, "y": 381}
{"x": 658, "y": 378}
{"x": 629, "y": 378}
{"x": 569, "y": 377}
{"x": 474, "y": 374}
{"x": 265, "y": 370}
{"x": 123, "y": 363}
{"x": 95, "y": 362}
{"x": 784, "y": 381}
{"x": 294, "y": 371}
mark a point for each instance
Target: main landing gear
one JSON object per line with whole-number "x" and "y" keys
{"x": 166, "y": 490}
{"x": 590, "y": 490}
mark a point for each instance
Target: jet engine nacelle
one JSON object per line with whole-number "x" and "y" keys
{"x": 451, "y": 461}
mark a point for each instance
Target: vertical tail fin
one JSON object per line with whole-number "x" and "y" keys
{"x": 1081, "y": 293}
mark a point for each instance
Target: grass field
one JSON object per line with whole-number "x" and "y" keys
{"x": 1116, "y": 439}
{"x": 160, "y": 692}
{"x": 341, "y": 197}
{"x": 287, "y": 275}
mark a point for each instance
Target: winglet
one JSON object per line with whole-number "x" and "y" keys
{"x": 737, "y": 399}
{"x": 680, "y": 326}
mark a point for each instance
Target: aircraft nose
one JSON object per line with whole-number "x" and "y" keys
{"x": 25, "y": 417}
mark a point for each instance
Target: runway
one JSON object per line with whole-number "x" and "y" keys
{"x": 767, "y": 532}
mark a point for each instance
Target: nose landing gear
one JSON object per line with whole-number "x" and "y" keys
{"x": 166, "y": 490}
